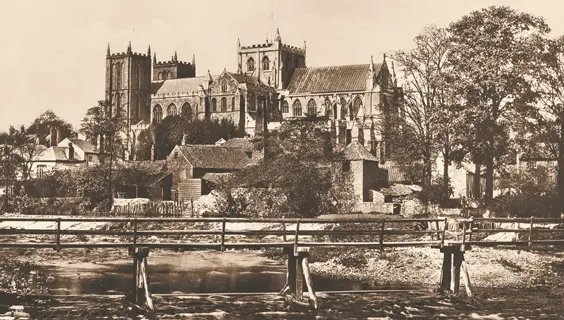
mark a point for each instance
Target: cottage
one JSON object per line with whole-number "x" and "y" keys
{"x": 69, "y": 153}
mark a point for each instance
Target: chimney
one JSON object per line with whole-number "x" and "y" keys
{"x": 58, "y": 131}
{"x": 183, "y": 142}
{"x": 70, "y": 150}
{"x": 52, "y": 136}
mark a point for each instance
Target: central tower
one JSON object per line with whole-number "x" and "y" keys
{"x": 271, "y": 59}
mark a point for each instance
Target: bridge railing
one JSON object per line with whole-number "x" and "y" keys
{"x": 293, "y": 233}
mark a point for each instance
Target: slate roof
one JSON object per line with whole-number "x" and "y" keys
{"x": 84, "y": 145}
{"x": 177, "y": 85}
{"x": 356, "y": 151}
{"x": 242, "y": 143}
{"x": 331, "y": 79}
{"x": 213, "y": 157}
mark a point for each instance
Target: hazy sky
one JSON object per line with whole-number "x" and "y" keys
{"x": 52, "y": 53}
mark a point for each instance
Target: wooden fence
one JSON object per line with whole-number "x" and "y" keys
{"x": 166, "y": 209}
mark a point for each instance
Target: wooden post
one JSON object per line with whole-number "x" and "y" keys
{"x": 530, "y": 242}
{"x": 192, "y": 207}
{"x": 438, "y": 230}
{"x": 303, "y": 255}
{"x": 142, "y": 299}
{"x": 458, "y": 257}
{"x": 58, "y": 234}
{"x": 445, "y": 270}
{"x": 382, "y": 236}
{"x": 296, "y": 237}
{"x": 284, "y": 230}
{"x": 466, "y": 279}
{"x": 223, "y": 234}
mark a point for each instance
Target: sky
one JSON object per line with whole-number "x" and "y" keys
{"x": 52, "y": 53}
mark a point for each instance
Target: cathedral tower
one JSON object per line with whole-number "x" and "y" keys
{"x": 173, "y": 69}
{"x": 272, "y": 59}
{"x": 128, "y": 84}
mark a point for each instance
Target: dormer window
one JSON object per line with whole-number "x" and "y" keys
{"x": 251, "y": 64}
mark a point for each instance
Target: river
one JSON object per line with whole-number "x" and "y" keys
{"x": 200, "y": 285}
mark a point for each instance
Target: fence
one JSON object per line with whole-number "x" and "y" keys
{"x": 169, "y": 209}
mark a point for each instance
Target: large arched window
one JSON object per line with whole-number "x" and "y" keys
{"x": 297, "y": 108}
{"x": 187, "y": 110}
{"x": 118, "y": 76}
{"x": 285, "y": 107}
{"x": 214, "y": 105}
{"x": 344, "y": 112}
{"x": 251, "y": 64}
{"x": 356, "y": 106}
{"x": 224, "y": 104}
{"x": 330, "y": 110}
{"x": 224, "y": 86}
{"x": 311, "y": 107}
{"x": 157, "y": 114}
{"x": 265, "y": 63}
{"x": 171, "y": 110}
{"x": 118, "y": 105}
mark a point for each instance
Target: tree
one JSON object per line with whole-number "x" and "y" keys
{"x": 548, "y": 121}
{"x": 42, "y": 126}
{"x": 422, "y": 130}
{"x": 493, "y": 53}
{"x": 305, "y": 175}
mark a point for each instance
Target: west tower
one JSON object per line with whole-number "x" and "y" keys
{"x": 272, "y": 59}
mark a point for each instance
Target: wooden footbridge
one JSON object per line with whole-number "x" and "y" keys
{"x": 295, "y": 236}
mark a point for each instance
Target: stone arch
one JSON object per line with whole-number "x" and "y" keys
{"x": 297, "y": 108}
{"x": 187, "y": 110}
{"x": 157, "y": 114}
{"x": 311, "y": 107}
{"x": 171, "y": 110}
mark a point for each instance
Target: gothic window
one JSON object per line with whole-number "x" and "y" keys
{"x": 265, "y": 63}
{"x": 285, "y": 107}
{"x": 118, "y": 76}
{"x": 251, "y": 64}
{"x": 311, "y": 107}
{"x": 232, "y": 104}
{"x": 223, "y": 104}
{"x": 161, "y": 76}
{"x": 356, "y": 106}
{"x": 171, "y": 110}
{"x": 329, "y": 109}
{"x": 224, "y": 86}
{"x": 187, "y": 110}
{"x": 214, "y": 105}
{"x": 297, "y": 108}
{"x": 169, "y": 75}
{"x": 118, "y": 105}
{"x": 343, "y": 104}
{"x": 157, "y": 114}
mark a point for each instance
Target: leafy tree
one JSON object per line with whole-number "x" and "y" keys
{"x": 41, "y": 127}
{"x": 493, "y": 53}
{"x": 301, "y": 171}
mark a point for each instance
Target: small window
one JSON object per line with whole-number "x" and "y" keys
{"x": 346, "y": 166}
{"x": 265, "y": 63}
{"x": 175, "y": 155}
{"x": 90, "y": 158}
{"x": 224, "y": 86}
{"x": 251, "y": 64}
{"x": 41, "y": 170}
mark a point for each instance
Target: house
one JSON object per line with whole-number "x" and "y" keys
{"x": 147, "y": 179}
{"x": 190, "y": 163}
{"x": 366, "y": 175}
{"x": 69, "y": 153}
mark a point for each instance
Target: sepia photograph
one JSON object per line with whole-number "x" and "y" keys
{"x": 282, "y": 159}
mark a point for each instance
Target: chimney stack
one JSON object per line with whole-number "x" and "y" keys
{"x": 52, "y": 136}
{"x": 70, "y": 154}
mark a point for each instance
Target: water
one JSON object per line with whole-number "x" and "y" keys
{"x": 217, "y": 273}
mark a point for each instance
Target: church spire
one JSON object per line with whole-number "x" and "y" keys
{"x": 108, "y": 51}
{"x": 193, "y": 59}
{"x": 305, "y": 46}
{"x": 155, "y": 58}
{"x": 372, "y": 64}
{"x": 278, "y": 37}
{"x": 238, "y": 43}
{"x": 175, "y": 58}
{"x": 129, "y": 47}
{"x": 149, "y": 51}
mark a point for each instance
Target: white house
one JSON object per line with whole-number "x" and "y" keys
{"x": 69, "y": 153}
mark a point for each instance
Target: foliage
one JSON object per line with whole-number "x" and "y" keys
{"x": 494, "y": 51}
{"x": 41, "y": 127}
{"x": 300, "y": 168}
{"x": 435, "y": 193}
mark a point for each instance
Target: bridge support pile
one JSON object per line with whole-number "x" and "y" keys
{"x": 297, "y": 272}
{"x": 453, "y": 267}
{"x": 141, "y": 295}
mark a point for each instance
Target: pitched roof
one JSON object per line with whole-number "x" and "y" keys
{"x": 331, "y": 79}
{"x": 84, "y": 145}
{"x": 187, "y": 85}
{"x": 242, "y": 143}
{"x": 356, "y": 151}
{"x": 212, "y": 157}
{"x": 54, "y": 154}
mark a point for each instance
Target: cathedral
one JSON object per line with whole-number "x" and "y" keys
{"x": 272, "y": 80}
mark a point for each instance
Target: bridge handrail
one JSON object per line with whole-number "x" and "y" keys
{"x": 230, "y": 220}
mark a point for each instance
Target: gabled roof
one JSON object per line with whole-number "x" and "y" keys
{"x": 54, "y": 154}
{"x": 242, "y": 143}
{"x": 187, "y": 85}
{"x": 84, "y": 145}
{"x": 356, "y": 151}
{"x": 213, "y": 157}
{"x": 331, "y": 79}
